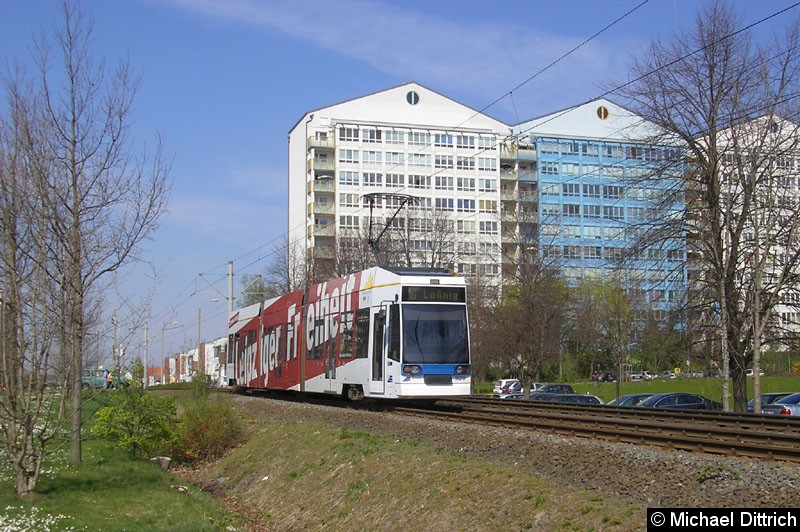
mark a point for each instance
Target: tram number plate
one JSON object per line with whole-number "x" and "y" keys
{"x": 438, "y": 379}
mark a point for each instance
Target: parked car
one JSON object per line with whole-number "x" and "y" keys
{"x": 503, "y": 383}
{"x": 679, "y": 401}
{"x": 555, "y": 388}
{"x": 749, "y": 372}
{"x": 632, "y": 399}
{"x": 668, "y": 375}
{"x": 95, "y": 378}
{"x": 767, "y": 399}
{"x": 787, "y": 406}
{"x": 575, "y": 398}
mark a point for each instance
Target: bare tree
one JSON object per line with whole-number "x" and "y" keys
{"x": 32, "y": 406}
{"x": 717, "y": 94}
{"x": 98, "y": 202}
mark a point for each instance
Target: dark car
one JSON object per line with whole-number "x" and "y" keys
{"x": 555, "y": 388}
{"x": 632, "y": 399}
{"x": 575, "y": 398}
{"x": 680, "y": 401}
{"x": 767, "y": 399}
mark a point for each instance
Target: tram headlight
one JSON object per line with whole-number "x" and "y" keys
{"x": 462, "y": 370}
{"x": 411, "y": 369}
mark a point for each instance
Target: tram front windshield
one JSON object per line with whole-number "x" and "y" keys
{"x": 435, "y": 334}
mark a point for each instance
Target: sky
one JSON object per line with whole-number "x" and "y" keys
{"x": 224, "y": 81}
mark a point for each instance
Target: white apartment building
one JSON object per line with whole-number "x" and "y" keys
{"x": 557, "y": 183}
{"x": 409, "y": 142}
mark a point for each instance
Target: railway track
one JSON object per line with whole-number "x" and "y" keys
{"x": 764, "y": 437}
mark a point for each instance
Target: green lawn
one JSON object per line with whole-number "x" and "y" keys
{"x": 109, "y": 491}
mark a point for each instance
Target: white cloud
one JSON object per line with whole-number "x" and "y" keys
{"x": 483, "y": 58}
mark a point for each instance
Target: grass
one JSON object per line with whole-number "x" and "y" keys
{"x": 109, "y": 491}
{"x": 330, "y": 479}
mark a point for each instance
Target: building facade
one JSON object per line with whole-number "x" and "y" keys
{"x": 561, "y": 184}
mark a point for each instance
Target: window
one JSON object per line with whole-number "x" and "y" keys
{"x": 348, "y": 178}
{"x": 549, "y": 168}
{"x": 443, "y": 161}
{"x": 443, "y": 182}
{"x": 591, "y": 191}
{"x": 395, "y": 180}
{"x": 465, "y": 141}
{"x": 488, "y": 248}
{"x": 590, "y": 150}
{"x": 348, "y": 133}
{"x": 348, "y": 156}
{"x": 348, "y": 222}
{"x": 466, "y": 205}
{"x": 593, "y": 252}
{"x": 465, "y": 163}
{"x": 613, "y": 192}
{"x": 591, "y": 211}
{"x": 394, "y": 137}
{"x": 487, "y": 164}
{"x": 489, "y": 269}
{"x": 419, "y": 139}
{"x": 348, "y": 200}
{"x": 572, "y": 252}
{"x": 636, "y": 213}
{"x": 570, "y": 169}
{"x": 570, "y": 209}
{"x": 444, "y": 204}
{"x": 465, "y": 184}
{"x": 467, "y": 248}
{"x": 372, "y": 179}
{"x": 487, "y": 228}
{"x": 571, "y": 189}
{"x": 549, "y": 147}
{"x": 443, "y": 140}
{"x": 371, "y": 135}
{"x": 371, "y": 157}
{"x": 614, "y": 213}
{"x": 419, "y": 159}
{"x": 465, "y": 227}
{"x": 551, "y": 208}
{"x": 572, "y": 231}
{"x": 592, "y": 231}
{"x": 393, "y": 157}
{"x": 487, "y": 185}
{"x": 591, "y": 170}
{"x": 550, "y": 189}
{"x": 570, "y": 148}
{"x": 488, "y": 206}
{"x": 419, "y": 181}
{"x": 487, "y": 143}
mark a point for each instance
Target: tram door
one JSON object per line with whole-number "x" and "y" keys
{"x": 376, "y": 385}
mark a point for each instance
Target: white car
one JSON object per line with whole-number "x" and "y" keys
{"x": 503, "y": 383}
{"x": 749, "y": 372}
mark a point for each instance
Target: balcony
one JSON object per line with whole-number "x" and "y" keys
{"x": 319, "y": 164}
{"x": 321, "y": 208}
{"x": 321, "y": 143}
{"x": 323, "y": 252}
{"x": 526, "y": 153}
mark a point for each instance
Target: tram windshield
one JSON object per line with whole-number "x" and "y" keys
{"x": 435, "y": 334}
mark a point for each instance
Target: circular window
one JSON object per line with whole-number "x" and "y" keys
{"x": 412, "y": 98}
{"x": 602, "y": 112}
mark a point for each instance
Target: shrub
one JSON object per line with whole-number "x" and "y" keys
{"x": 208, "y": 428}
{"x": 141, "y": 423}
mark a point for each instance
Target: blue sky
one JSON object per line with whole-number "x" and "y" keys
{"x": 225, "y": 80}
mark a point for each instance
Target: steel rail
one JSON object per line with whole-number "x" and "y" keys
{"x": 675, "y": 431}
